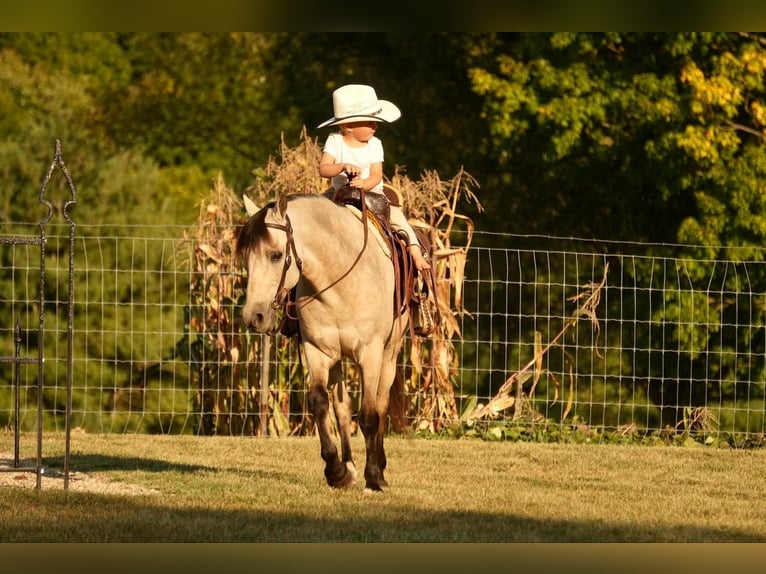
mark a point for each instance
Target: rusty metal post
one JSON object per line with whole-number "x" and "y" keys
{"x": 17, "y": 359}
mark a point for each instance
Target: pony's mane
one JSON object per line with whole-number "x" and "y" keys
{"x": 255, "y": 227}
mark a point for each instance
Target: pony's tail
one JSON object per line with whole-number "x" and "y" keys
{"x": 397, "y": 406}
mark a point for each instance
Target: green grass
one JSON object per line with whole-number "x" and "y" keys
{"x": 219, "y": 489}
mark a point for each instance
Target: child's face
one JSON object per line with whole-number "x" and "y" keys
{"x": 359, "y": 131}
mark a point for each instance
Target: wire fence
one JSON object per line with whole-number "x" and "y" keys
{"x": 670, "y": 343}
{"x": 677, "y": 343}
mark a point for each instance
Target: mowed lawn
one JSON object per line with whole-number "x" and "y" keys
{"x": 141, "y": 488}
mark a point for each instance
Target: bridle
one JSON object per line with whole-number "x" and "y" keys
{"x": 280, "y": 298}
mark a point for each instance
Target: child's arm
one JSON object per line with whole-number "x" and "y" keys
{"x": 328, "y": 168}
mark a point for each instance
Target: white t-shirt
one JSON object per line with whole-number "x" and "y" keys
{"x": 362, "y": 157}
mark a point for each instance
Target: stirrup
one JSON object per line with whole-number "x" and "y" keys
{"x": 420, "y": 311}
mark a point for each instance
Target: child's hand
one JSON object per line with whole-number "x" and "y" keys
{"x": 352, "y": 174}
{"x": 350, "y": 170}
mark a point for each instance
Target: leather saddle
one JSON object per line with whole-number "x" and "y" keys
{"x": 377, "y": 203}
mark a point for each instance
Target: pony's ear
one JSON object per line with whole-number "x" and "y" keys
{"x": 250, "y": 207}
{"x": 282, "y": 203}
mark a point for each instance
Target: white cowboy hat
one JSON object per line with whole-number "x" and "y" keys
{"x": 358, "y": 102}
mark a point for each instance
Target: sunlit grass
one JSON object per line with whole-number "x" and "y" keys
{"x": 218, "y": 489}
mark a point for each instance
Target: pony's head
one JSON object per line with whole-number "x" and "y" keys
{"x": 265, "y": 245}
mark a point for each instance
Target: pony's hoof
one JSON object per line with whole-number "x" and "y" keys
{"x": 378, "y": 486}
{"x": 348, "y": 479}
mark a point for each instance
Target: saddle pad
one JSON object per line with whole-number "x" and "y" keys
{"x": 382, "y": 243}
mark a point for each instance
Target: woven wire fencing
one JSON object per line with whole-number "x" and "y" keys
{"x": 668, "y": 343}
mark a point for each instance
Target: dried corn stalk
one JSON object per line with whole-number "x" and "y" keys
{"x": 591, "y": 297}
{"x": 226, "y": 395}
{"x": 432, "y": 205}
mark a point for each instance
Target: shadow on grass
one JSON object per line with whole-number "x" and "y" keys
{"x": 94, "y": 463}
{"x": 99, "y": 462}
{"x": 57, "y": 516}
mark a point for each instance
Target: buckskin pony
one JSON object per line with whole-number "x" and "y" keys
{"x": 344, "y": 300}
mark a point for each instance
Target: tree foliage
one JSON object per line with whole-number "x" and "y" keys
{"x": 654, "y": 137}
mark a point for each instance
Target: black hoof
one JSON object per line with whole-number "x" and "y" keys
{"x": 342, "y": 476}
{"x": 379, "y": 485}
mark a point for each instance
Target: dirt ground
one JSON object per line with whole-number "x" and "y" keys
{"x": 51, "y": 479}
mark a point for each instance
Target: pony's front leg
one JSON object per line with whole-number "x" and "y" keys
{"x": 343, "y": 414}
{"x": 337, "y": 473}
